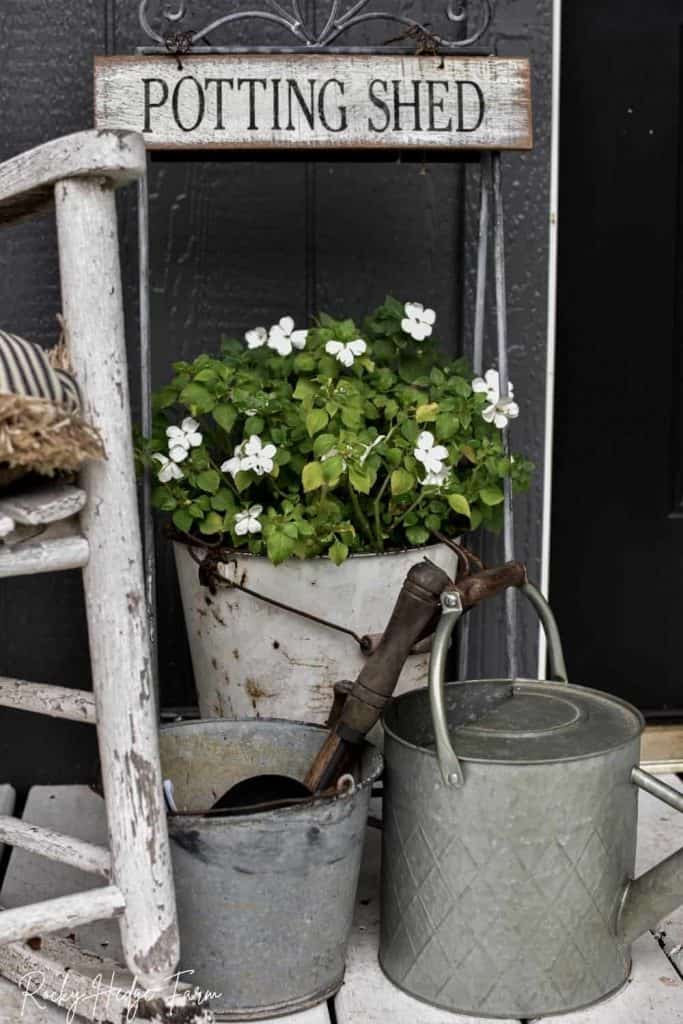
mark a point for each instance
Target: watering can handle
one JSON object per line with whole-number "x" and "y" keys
{"x": 454, "y": 601}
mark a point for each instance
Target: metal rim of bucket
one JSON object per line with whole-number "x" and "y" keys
{"x": 233, "y": 553}
{"x": 276, "y": 1010}
{"x": 369, "y": 779}
{"x": 541, "y": 684}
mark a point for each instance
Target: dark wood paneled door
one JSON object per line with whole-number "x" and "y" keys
{"x": 617, "y": 553}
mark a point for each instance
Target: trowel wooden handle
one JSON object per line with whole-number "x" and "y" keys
{"x": 416, "y": 610}
{"x": 489, "y": 582}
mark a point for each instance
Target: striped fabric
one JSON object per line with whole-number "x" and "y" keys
{"x": 25, "y": 370}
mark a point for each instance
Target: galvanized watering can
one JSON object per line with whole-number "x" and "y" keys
{"x": 510, "y": 817}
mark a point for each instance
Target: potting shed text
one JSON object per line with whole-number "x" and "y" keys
{"x": 254, "y": 101}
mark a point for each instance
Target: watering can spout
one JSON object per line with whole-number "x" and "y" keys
{"x": 656, "y": 893}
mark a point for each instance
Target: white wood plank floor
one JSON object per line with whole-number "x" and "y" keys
{"x": 654, "y": 993}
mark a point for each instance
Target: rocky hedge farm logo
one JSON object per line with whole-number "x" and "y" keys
{"x": 105, "y": 998}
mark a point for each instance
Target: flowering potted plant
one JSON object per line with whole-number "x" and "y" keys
{"x": 336, "y": 441}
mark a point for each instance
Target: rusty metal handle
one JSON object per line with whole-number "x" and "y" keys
{"x": 472, "y": 589}
{"x": 489, "y": 582}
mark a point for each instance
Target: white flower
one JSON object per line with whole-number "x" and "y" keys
{"x": 430, "y": 455}
{"x": 232, "y": 466}
{"x": 258, "y": 456}
{"x": 418, "y": 321}
{"x": 256, "y": 337}
{"x": 346, "y": 353}
{"x": 489, "y": 384}
{"x": 501, "y": 413}
{"x": 435, "y": 479}
{"x": 248, "y": 522}
{"x": 251, "y": 454}
{"x": 283, "y": 337}
{"x": 182, "y": 438}
{"x": 499, "y": 410}
{"x": 169, "y": 470}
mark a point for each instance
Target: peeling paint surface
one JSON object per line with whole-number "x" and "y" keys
{"x": 259, "y": 660}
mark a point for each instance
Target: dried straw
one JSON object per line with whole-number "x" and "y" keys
{"x": 38, "y": 436}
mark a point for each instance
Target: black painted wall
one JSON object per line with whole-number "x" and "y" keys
{"x": 243, "y": 242}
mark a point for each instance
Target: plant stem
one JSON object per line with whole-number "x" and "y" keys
{"x": 360, "y": 517}
{"x": 225, "y": 477}
{"x": 378, "y": 520}
{"x": 410, "y": 509}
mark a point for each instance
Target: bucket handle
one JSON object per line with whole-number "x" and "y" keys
{"x": 451, "y": 611}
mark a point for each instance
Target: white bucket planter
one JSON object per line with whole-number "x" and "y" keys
{"x": 252, "y": 659}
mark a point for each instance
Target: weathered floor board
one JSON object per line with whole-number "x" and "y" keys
{"x": 17, "y": 1008}
{"x": 654, "y": 993}
{"x": 661, "y": 834}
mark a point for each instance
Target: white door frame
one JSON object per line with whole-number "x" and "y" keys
{"x": 552, "y": 310}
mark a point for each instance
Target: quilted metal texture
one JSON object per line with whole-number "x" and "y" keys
{"x": 500, "y": 899}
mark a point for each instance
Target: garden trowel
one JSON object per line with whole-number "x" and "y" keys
{"x": 414, "y": 616}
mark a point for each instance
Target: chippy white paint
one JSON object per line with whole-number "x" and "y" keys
{"x": 81, "y": 173}
{"x": 27, "y": 181}
{"x": 48, "y": 504}
{"x": 41, "y": 556}
{"x": 61, "y": 912}
{"x": 45, "y": 699}
{"x": 59, "y": 970}
{"x": 55, "y": 846}
{"x": 113, "y": 579}
{"x": 319, "y": 100}
{"x": 251, "y": 658}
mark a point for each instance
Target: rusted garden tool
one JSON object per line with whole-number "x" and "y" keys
{"x": 416, "y": 611}
{"x": 415, "y": 614}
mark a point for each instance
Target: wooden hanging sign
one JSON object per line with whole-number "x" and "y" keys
{"x": 325, "y": 101}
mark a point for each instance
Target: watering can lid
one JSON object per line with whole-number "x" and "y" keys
{"x": 530, "y": 722}
{"x": 518, "y": 722}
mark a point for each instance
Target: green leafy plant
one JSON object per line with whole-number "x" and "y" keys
{"x": 331, "y": 441}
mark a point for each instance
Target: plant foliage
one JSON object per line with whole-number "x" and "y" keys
{"x": 355, "y": 448}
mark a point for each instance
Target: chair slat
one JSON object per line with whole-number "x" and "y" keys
{"x": 44, "y": 556}
{"x": 27, "y": 181}
{"x": 44, "y": 699}
{"x": 55, "y": 846}
{"x": 42, "y": 505}
{"x": 62, "y": 912}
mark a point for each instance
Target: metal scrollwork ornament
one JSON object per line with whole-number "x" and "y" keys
{"x": 289, "y": 16}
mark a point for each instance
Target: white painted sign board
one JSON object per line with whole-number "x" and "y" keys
{"x": 324, "y": 101}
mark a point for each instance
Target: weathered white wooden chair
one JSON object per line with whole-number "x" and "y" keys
{"x": 80, "y": 174}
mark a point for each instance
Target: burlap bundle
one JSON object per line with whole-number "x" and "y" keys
{"x": 40, "y": 435}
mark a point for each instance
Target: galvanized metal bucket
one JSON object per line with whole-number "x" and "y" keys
{"x": 252, "y": 659}
{"x": 509, "y": 840}
{"x": 265, "y": 900}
